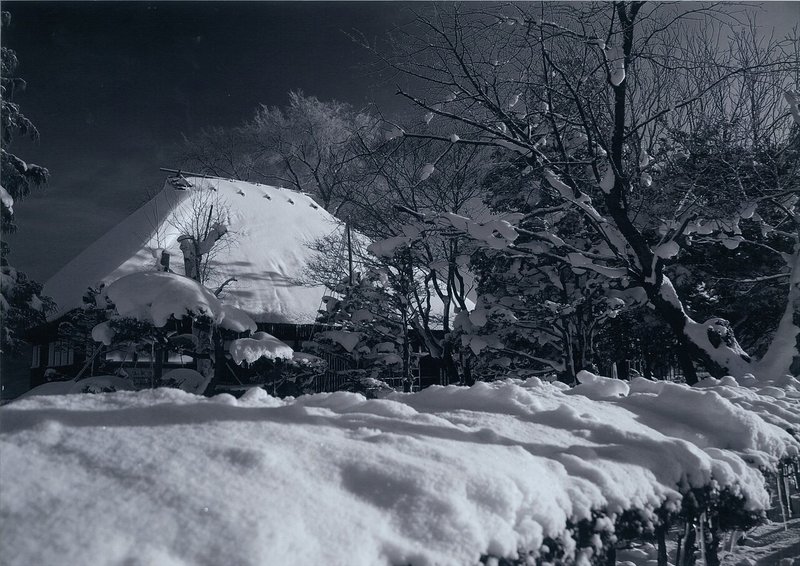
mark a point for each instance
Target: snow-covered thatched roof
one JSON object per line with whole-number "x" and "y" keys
{"x": 265, "y": 248}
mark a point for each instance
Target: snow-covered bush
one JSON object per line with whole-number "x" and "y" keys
{"x": 157, "y": 311}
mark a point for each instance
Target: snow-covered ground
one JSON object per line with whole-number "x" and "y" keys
{"x": 442, "y": 476}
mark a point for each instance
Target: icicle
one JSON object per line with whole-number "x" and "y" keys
{"x": 787, "y": 491}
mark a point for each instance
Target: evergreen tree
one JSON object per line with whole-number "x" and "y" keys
{"x": 21, "y": 304}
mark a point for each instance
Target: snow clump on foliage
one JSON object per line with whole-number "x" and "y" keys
{"x": 156, "y": 296}
{"x": 261, "y": 345}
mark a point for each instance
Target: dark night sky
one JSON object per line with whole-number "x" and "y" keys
{"x": 113, "y": 86}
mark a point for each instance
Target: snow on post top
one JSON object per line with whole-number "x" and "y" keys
{"x": 262, "y": 245}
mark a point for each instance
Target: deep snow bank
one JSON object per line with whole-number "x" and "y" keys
{"x": 437, "y": 477}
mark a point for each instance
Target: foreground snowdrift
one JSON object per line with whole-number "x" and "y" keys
{"x": 437, "y": 477}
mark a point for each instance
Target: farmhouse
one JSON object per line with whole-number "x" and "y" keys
{"x": 258, "y": 266}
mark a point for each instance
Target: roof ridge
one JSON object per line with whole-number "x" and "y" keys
{"x": 250, "y": 183}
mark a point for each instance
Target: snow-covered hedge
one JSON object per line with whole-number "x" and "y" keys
{"x": 442, "y": 476}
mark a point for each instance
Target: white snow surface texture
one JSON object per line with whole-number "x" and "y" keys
{"x": 435, "y": 477}
{"x": 264, "y": 249}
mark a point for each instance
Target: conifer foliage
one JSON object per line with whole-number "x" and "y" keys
{"x": 21, "y": 304}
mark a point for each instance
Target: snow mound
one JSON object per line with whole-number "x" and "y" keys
{"x": 599, "y": 387}
{"x": 185, "y": 379}
{"x": 436, "y": 477}
{"x": 94, "y": 384}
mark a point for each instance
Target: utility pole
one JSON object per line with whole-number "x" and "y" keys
{"x": 349, "y": 254}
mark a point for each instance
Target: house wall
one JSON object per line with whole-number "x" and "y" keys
{"x": 52, "y": 357}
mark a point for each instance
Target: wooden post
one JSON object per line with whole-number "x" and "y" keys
{"x": 219, "y": 356}
{"x": 158, "y": 364}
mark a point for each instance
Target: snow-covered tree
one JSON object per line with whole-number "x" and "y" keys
{"x": 411, "y": 179}
{"x": 389, "y": 209}
{"x": 19, "y": 177}
{"x": 309, "y": 145}
{"x": 582, "y": 94}
{"x": 744, "y": 192}
{"x": 22, "y": 305}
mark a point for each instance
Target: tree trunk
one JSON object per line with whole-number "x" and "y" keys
{"x": 190, "y": 257}
{"x": 570, "y": 373}
{"x": 661, "y": 538}
{"x": 783, "y": 354}
{"x": 469, "y": 380}
{"x": 720, "y": 359}
{"x": 611, "y": 555}
{"x": 712, "y": 343}
{"x": 687, "y": 366}
{"x": 449, "y": 363}
{"x": 202, "y": 332}
{"x": 712, "y": 544}
{"x": 406, "y": 356}
{"x": 689, "y": 547}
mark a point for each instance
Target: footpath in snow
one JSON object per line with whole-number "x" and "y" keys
{"x": 443, "y": 476}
